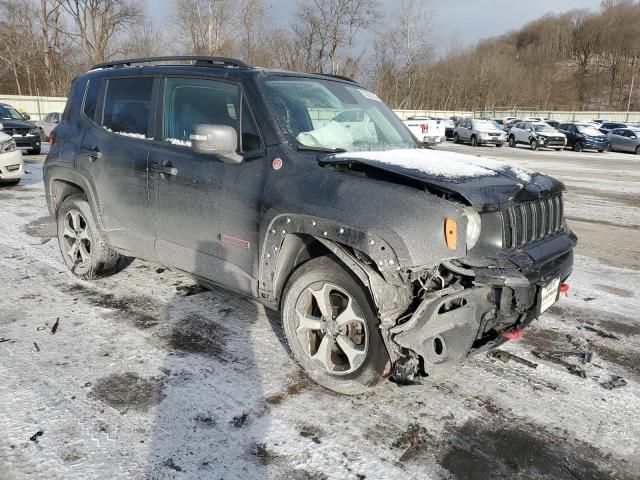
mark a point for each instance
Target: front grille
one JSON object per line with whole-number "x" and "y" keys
{"x": 557, "y": 141}
{"x": 529, "y": 222}
{"x": 16, "y": 131}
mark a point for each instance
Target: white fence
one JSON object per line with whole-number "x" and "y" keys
{"x": 38, "y": 107}
{"x": 500, "y": 114}
{"x": 35, "y": 107}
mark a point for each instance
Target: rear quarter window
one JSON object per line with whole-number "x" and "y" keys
{"x": 91, "y": 98}
{"x": 127, "y": 106}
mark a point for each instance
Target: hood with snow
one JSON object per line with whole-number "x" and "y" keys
{"x": 486, "y": 184}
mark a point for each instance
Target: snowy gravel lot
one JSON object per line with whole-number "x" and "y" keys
{"x": 148, "y": 376}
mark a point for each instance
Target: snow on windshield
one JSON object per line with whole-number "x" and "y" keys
{"x": 589, "y": 130}
{"x": 442, "y": 164}
{"x": 484, "y": 125}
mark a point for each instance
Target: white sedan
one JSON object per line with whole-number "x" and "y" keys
{"x": 11, "y": 165}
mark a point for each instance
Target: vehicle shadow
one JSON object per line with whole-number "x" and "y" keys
{"x": 210, "y": 422}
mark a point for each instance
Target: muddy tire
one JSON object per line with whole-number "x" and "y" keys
{"x": 331, "y": 328}
{"x": 512, "y": 141}
{"x": 534, "y": 145}
{"x": 82, "y": 245}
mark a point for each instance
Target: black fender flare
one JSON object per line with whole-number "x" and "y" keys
{"x": 278, "y": 238}
{"x": 63, "y": 174}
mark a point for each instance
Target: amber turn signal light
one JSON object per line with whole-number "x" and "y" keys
{"x": 451, "y": 233}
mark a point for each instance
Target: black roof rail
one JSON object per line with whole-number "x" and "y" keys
{"x": 202, "y": 61}
{"x": 339, "y": 77}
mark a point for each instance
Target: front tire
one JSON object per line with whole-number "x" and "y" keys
{"x": 82, "y": 245}
{"x": 499, "y": 145}
{"x": 534, "y": 145}
{"x": 512, "y": 141}
{"x": 474, "y": 141}
{"x": 35, "y": 151}
{"x": 577, "y": 147}
{"x": 331, "y": 328}
{"x": 456, "y": 139}
{"x": 638, "y": 150}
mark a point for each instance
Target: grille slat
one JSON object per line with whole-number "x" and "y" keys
{"x": 529, "y": 222}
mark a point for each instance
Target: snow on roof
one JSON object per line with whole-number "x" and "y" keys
{"x": 440, "y": 163}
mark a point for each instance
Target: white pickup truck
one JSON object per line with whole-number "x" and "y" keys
{"x": 428, "y": 130}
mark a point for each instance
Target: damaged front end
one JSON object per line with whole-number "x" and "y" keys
{"x": 466, "y": 306}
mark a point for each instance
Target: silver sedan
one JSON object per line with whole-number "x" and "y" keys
{"x": 625, "y": 140}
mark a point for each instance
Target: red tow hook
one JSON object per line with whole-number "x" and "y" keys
{"x": 514, "y": 334}
{"x": 564, "y": 288}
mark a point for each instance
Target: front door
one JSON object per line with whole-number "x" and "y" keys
{"x": 113, "y": 153}
{"x": 192, "y": 191}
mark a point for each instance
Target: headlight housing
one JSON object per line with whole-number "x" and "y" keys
{"x": 8, "y": 146}
{"x": 474, "y": 226}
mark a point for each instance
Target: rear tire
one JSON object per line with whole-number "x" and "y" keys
{"x": 331, "y": 328}
{"x": 512, "y": 141}
{"x": 474, "y": 141}
{"x": 577, "y": 147}
{"x": 82, "y": 245}
{"x": 638, "y": 150}
{"x": 455, "y": 138}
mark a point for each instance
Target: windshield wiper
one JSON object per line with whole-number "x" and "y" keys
{"x": 308, "y": 148}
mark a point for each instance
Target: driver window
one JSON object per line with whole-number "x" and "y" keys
{"x": 191, "y": 101}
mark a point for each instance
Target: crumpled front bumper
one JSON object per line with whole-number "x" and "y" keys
{"x": 452, "y": 323}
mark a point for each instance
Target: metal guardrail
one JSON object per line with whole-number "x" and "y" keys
{"x": 38, "y": 107}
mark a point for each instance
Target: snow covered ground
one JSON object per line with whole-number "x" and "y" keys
{"x": 147, "y": 376}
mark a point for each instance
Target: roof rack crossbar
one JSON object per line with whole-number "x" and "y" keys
{"x": 196, "y": 59}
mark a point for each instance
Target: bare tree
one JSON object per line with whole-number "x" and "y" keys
{"x": 203, "y": 25}
{"x": 97, "y": 23}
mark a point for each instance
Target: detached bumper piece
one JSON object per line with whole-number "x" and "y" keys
{"x": 445, "y": 326}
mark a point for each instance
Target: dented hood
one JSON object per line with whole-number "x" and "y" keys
{"x": 486, "y": 184}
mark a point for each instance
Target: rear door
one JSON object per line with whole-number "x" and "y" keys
{"x": 113, "y": 156}
{"x": 617, "y": 140}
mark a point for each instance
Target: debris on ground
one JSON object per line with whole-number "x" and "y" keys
{"x": 36, "y": 347}
{"x": 34, "y": 437}
{"x": 188, "y": 290}
{"x": 615, "y": 382}
{"x": 506, "y": 357}
{"x": 584, "y": 357}
{"x": 160, "y": 270}
{"x": 54, "y": 329}
{"x": 600, "y": 333}
{"x": 571, "y": 368}
{"x": 2, "y": 339}
{"x": 239, "y": 420}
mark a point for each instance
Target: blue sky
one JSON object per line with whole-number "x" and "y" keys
{"x": 466, "y": 20}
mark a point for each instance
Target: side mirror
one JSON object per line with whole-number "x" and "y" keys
{"x": 219, "y": 140}
{"x": 633, "y": 137}
{"x": 26, "y": 116}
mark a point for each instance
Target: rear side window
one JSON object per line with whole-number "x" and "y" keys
{"x": 191, "y": 101}
{"x": 127, "y": 105}
{"x": 91, "y": 98}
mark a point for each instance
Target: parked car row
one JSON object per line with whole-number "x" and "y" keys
{"x": 600, "y": 135}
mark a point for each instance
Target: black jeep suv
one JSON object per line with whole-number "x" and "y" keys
{"x": 307, "y": 193}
